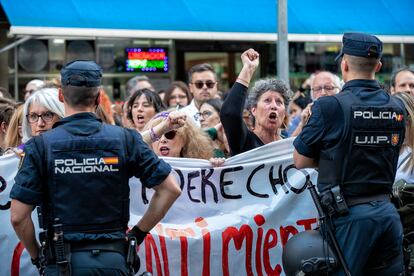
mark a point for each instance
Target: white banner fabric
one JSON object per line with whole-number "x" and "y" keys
{"x": 232, "y": 220}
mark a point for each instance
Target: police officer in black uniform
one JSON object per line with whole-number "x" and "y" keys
{"x": 78, "y": 173}
{"x": 354, "y": 139}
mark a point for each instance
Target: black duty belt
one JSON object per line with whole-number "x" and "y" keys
{"x": 351, "y": 201}
{"x": 119, "y": 246}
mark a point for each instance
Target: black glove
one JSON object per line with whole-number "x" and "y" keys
{"x": 39, "y": 264}
{"x": 138, "y": 234}
{"x": 135, "y": 237}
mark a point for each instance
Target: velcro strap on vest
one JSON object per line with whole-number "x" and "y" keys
{"x": 119, "y": 246}
{"x": 350, "y": 201}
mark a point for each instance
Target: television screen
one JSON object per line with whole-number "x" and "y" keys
{"x": 146, "y": 60}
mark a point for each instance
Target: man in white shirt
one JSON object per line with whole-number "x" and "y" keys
{"x": 203, "y": 85}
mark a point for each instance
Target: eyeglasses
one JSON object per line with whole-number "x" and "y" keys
{"x": 206, "y": 114}
{"x": 170, "y": 135}
{"x": 327, "y": 88}
{"x": 47, "y": 117}
{"x": 200, "y": 84}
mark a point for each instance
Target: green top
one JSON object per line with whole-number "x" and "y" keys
{"x": 212, "y": 132}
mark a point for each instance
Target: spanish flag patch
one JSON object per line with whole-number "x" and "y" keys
{"x": 111, "y": 160}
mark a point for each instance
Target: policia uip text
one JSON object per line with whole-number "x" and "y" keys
{"x": 354, "y": 139}
{"x": 78, "y": 174}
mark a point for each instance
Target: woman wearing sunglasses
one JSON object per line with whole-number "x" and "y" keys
{"x": 268, "y": 101}
{"x": 186, "y": 141}
{"x": 41, "y": 110}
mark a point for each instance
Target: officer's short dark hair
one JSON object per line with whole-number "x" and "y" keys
{"x": 396, "y": 72}
{"x": 362, "y": 64}
{"x": 80, "y": 96}
{"x": 152, "y": 98}
{"x": 198, "y": 68}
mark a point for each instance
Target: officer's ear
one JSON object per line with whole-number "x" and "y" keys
{"x": 378, "y": 67}
{"x": 344, "y": 65}
{"x": 61, "y": 98}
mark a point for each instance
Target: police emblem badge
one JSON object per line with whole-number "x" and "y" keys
{"x": 395, "y": 138}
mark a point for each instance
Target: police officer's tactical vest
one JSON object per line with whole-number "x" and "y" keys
{"x": 87, "y": 181}
{"x": 364, "y": 161}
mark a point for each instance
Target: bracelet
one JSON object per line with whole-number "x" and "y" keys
{"x": 154, "y": 137}
{"x": 162, "y": 115}
{"x": 244, "y": 81}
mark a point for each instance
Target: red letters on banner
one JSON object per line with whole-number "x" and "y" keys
{"x": 15, "y": 265}
{"x": 232, "y": 238}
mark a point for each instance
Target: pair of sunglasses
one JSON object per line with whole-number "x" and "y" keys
{"x": 200, "y": 84}
{"x": 170, "y": 135}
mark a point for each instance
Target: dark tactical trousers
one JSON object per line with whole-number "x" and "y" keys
{"x": 370, "y": 237}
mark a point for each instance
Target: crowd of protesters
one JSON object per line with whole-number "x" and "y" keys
{"x": 191, "y": 120}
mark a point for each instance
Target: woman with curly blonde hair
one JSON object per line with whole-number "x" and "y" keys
{"x": 188, "y": 141}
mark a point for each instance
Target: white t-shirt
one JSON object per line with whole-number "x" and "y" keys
{"x": 405, "y": 157}
{"x": 192, "y": 111}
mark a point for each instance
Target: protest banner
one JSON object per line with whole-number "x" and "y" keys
{"x": 232, "y": 220}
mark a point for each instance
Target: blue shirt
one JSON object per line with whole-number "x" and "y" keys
{"x": 293, "y": 124}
